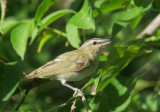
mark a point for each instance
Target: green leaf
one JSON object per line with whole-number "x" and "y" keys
{"x": 136, "y": 21}
{"x": 133, "y": 48}
{"x": 9, "y": 78}
{"x": 44, "y": 39}
{"x": 117, "y": 60}
{"x": 126, "y": 17}
{"x": 19, "y": 38}
{"x": 72, "y": 35}
{"x": 108, "y": 6}
{"x": 116, "y": 96}
{"x": 142, "y": 3}
{"x": 111, "y": 5}
{"x": 7, "y": 25}
{"x": 145, "y": 100}
{"x": 43, "y": 7}
{"x": 83, "y": 19}
{"x": 48, "y": 20}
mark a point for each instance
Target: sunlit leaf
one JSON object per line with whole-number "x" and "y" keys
{"x": 43, "y": 7}
{"x": 44, "y": 39}
{"x": 73, "y": 35}
{"x": 83, "y": 19}
{"x": 136, "y": 21}
{"x": 7, "y": 25}
{"x": 19, "y": 38}
{"x": 48, "y": 20}
{"x": 108, "y": 6}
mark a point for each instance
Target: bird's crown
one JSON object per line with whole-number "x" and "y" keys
{"x": 96, "y": 42}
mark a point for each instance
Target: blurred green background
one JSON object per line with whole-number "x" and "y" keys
{"x": 128, "y": 80}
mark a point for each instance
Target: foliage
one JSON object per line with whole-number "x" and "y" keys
{"x": 36, "y": 31}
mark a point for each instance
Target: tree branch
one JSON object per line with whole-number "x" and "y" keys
{"x": 151, "y": 28}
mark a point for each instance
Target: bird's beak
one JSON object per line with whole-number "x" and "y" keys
{"x": 106, "y": 42}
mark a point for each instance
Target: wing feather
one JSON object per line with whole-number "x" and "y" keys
{"x": 67, "y": 62}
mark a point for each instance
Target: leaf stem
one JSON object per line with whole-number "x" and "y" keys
{"x": 58, "y": 32}
{"x": 23, "y": 98}
{"x": 85, "y": 103}
{"x": 83, "y": 35}
{"x": 3, "y": 9}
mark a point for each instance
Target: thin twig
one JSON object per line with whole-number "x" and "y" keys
{"x": 22, "y": 100}
{"x": 58, "y": 32}
{"x": 3, "y": 9}
{"x": 83, "y": 35}
{"x": 85, "y": 103}
{"x": 73, "y": 107}
{"x": 151, "y": 28}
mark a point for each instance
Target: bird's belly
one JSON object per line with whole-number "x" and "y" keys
{"x": 76, "y": 76}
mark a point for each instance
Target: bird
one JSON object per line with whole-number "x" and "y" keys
{"x": 73, "y": 65}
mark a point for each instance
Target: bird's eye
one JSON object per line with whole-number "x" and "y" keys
{"x": 94, "y": 43}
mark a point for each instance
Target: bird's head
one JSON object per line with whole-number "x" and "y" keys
{"x": 94, "y": 45}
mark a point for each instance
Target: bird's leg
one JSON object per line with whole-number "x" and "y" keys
{"x": 76, "y": 90}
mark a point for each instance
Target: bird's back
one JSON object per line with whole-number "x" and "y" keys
{"x": 68, "y": 62}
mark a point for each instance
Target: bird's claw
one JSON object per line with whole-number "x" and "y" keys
{"x": 77, "y": 91}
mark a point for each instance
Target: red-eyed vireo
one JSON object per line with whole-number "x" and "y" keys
{"x": 74, "y": 65}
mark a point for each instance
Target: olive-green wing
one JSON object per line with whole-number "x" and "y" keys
{"x": 68, "y": 62}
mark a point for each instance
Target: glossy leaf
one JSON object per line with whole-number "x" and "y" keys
{"x": 7, "y": 25}
{"x": 108, "y": 6}
{"x": 135, "y": 22}
{"x": 43, "y": 7}
{"x": 72, "y": 35}
{"x": 44, "y": 39}
{"x": 19, "y": 38}
{"x": 116, "y": 96}
{"x": 48, "y": 20}
{"x": 83, "y": 19}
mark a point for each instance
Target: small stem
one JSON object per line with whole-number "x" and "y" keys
{"x": 58, "y": 32}
{"x": 3, "y": 9}
{"x": 85, "y": 103}
{"x": 23, "y": 98}
{"x": 73, "y": 107}
{"x": 83, "y": 35}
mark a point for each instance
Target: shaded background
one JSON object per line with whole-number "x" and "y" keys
{"x": 136, "y": 87}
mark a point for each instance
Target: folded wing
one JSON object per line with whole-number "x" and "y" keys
{"x": 67, "y": 62}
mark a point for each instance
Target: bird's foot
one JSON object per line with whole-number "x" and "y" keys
{"x": 78, "y": 91}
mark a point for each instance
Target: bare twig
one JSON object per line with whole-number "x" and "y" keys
{"x": 73, "y": 107}
{"x": 22, "y": 100}
{"x": 151, "y": 28}
{"x": 3, "y": 9}
{"x": 85, "y": 103}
